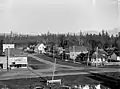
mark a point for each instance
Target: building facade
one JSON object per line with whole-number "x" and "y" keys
{"x": 13, "y": 62}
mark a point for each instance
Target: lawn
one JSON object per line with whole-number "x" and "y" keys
{"x": 27, "y": 83}
{"x": 110, "y": 79}
{"x": 34, "y": 61}
{"x": 60, "y": 61}
{"x": 23, "y": 83}
{"x": 34, "y": 64}
{"x": 111, "y": 66}
{"x": 69, "y": 71}
{"x": 115, "y": 75}
{"x": 70, "y": 80}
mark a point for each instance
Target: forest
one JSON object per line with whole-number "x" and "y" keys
{"x": 91, "y": 41}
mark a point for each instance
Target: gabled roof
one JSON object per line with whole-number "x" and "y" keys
{"x": 113, "y": 56}
{"x": 102, "y": 51}
{"x": 100, "y": 54}
{"x": 39, "y": 44}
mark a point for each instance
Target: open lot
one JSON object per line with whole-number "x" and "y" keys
{"x": 30, "y": 82}
{"x": 70, "y": 80}
{"x": 115, "y": 75}
{"x": 34, "y": 64}
{"x": 60, "y": 61}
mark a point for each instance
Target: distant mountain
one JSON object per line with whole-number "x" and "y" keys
{"x": 114, "y": 31}
{"x": 111, "y": 31}
{"x": 90, "y": 32}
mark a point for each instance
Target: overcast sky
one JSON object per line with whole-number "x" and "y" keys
{"x": 39, "y": 16}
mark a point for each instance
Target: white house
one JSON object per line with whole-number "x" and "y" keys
{"x": 40, "y": 48}
{"x": 99, "y": 57}
{"x": 118, "y": 58}
{"x": 76, "y": 50}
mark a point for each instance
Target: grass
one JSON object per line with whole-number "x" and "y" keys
{"x": 34, "y": 61}
{"x": 36, "y": 67}
{"x": 60, "y": 61}
{"x": 111, "y": 66}
{"x": 107, "y": 80}
{"x": 34, "y": 64}
{"x": 69, "y": 71}
{"x": 25, "y": 83}
{"x": 113, "y": 74}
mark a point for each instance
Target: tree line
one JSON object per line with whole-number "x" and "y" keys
{"x": 101, "y": 40}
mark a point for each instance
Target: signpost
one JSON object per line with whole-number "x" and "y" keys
{"x": 54, "y": 69}
{"x": 53, "y": 80}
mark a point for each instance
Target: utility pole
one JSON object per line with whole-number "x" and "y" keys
{"x": 74, "y": 53}
{"x": 88, "y": 59}
{"x": 54, "y": 69}
{"x": 96, "y": 56}
{"x": 8, "y": 53}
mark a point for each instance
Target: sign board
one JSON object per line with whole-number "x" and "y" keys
{"x": 18, "y": 60}
{"x": 8, "y": 45}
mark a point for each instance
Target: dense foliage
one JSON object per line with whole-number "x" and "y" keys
{"x": 102, "y": 40}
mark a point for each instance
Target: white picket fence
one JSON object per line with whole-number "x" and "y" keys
{"x": 87, "y": 86}
{"x": 112, "y": 63}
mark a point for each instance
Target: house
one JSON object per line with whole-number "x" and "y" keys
{"x": 112, "y": 56}
{"x": 76, "y": 50}
{"x": 99, "y": 56}
{"x": 118, "y": 58}
{"x": 40, "y": 48}
{"x": 60, "y": 50}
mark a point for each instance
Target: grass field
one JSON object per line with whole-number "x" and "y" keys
{"x": 34, "y": 64}
{"x": 60, "y": 61}
{"x": 113, "y": 74}
{"x": 26, "y": 83}
{"x": 69, "y": 71}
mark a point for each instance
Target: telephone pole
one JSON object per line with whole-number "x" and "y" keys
{"x": 8, "y": 52}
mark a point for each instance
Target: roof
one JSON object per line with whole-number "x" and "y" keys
{"x": 102, "y": 51}
{"x": 101, "y": 54}
{"x": 41, "y": 44}
{"x": 78, "y": 49}
{"x": 113, "y": 56}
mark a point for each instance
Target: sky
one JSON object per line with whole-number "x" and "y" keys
{"x": 57, "y": 16}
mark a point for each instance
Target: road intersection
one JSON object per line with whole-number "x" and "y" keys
{"x": 30, "y": 73}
